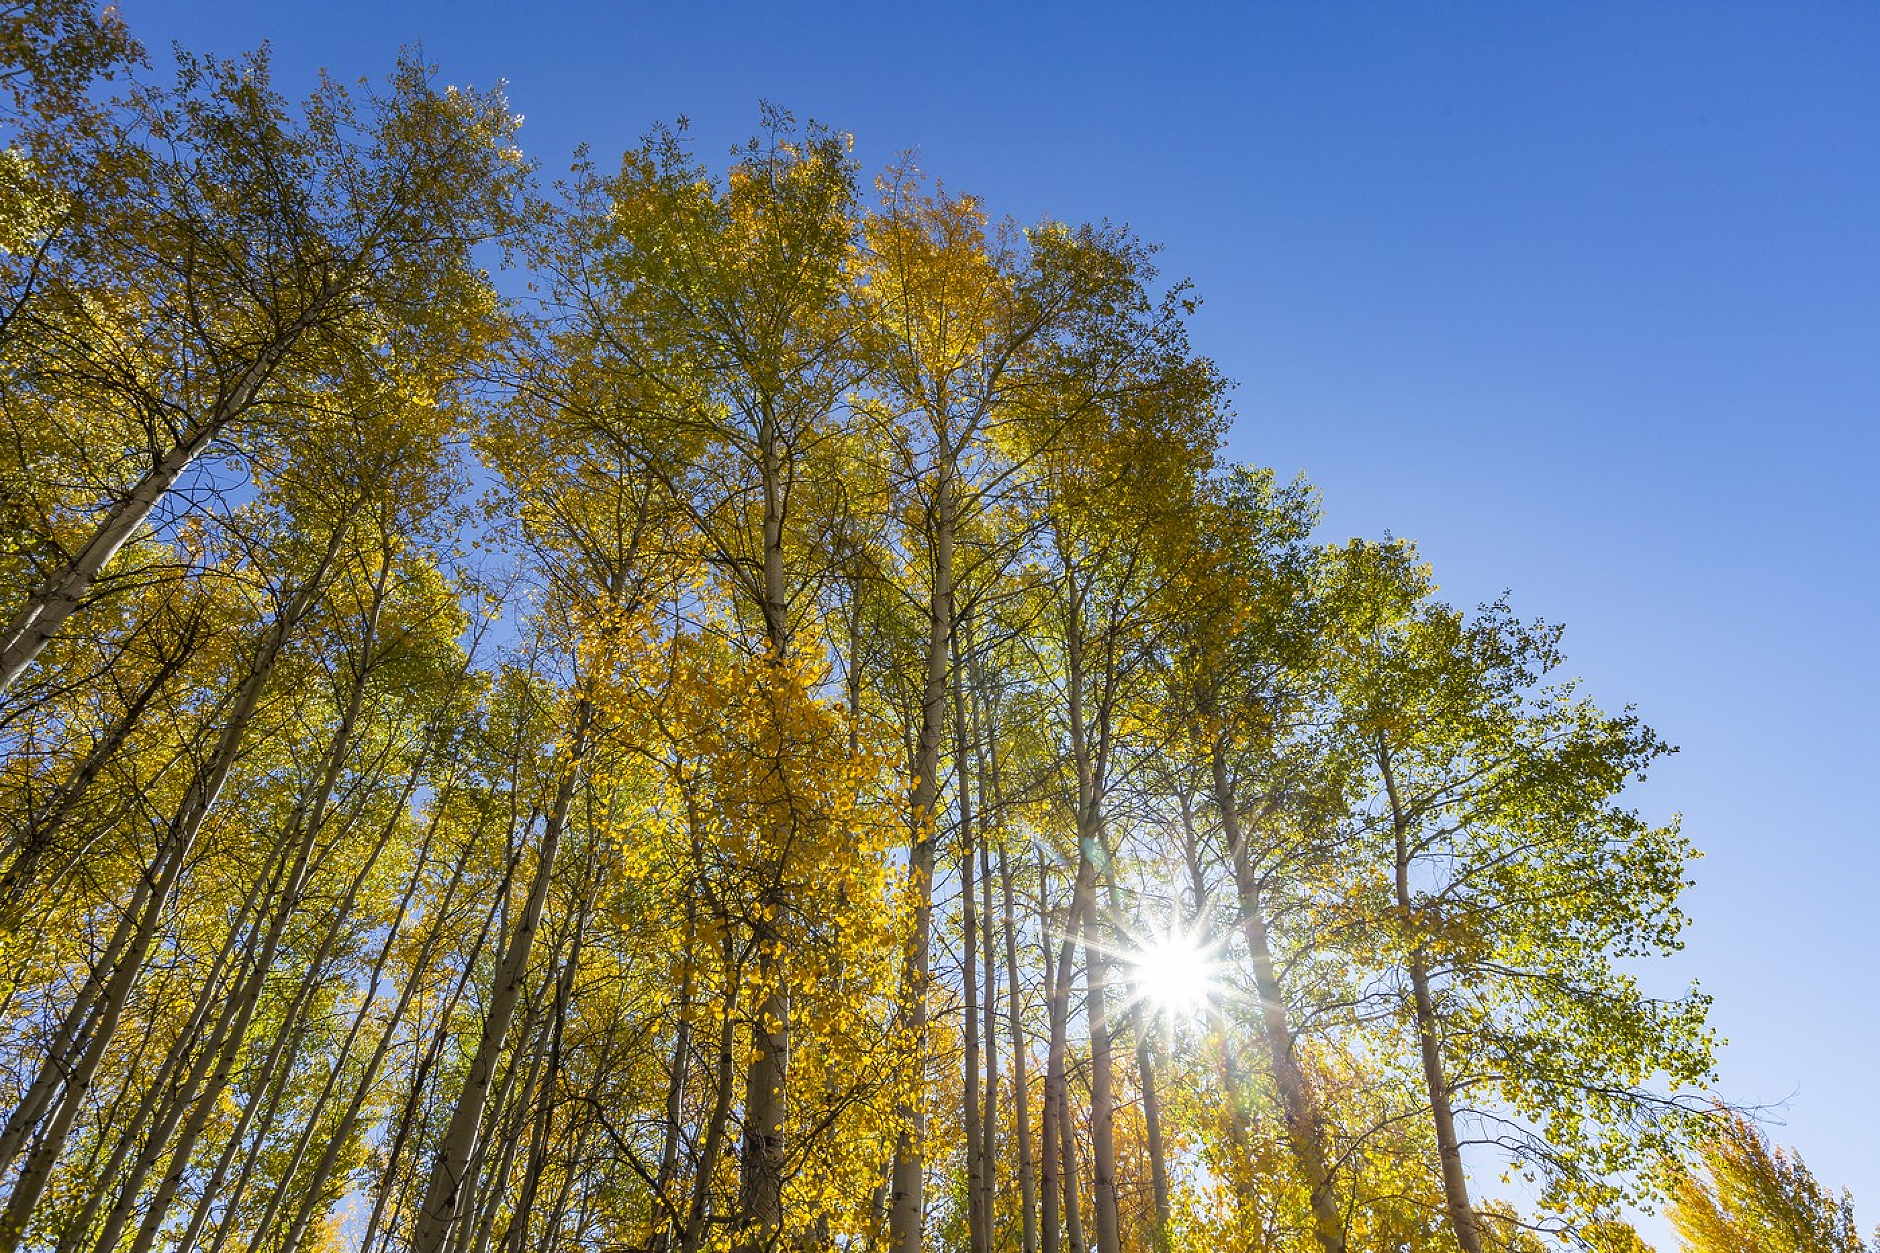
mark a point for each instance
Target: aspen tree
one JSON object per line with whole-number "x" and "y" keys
{"x": 724, "y": 316}
{"x": 955, "y": 322}
{"x": 241, "y": 255}
{"x": 1516, "y": 881}
{"x": 1120, "y": 455}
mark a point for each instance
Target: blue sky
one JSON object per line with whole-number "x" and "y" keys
{"x": 1583, "y": 298}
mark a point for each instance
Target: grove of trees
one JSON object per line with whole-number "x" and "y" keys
{"x": 733, "y": 749}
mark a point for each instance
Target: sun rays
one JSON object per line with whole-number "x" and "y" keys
{"x": 1176, "y": 971}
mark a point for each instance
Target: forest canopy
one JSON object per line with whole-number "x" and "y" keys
{"x": 791, "y": 733}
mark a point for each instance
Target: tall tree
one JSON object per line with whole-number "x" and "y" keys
{"x": 1123, "y": 435}
{"x": 1244, "y": 664}
{"x": 203, "y": 296}
{"x": 952, "y": 324}
{"x": 1516, "y": 882}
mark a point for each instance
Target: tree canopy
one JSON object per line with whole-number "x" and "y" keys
{"x": 793, "y": 735}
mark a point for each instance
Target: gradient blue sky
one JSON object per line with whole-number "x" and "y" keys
{"x": 1583, "y": 298}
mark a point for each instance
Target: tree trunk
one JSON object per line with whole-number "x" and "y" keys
{"x": 1067, "y": 1145}
{"x": 980, "y": 744}
{"x": 1429, "y": 1042}
{"x": 1102, "y": 1097}
{"x": 77, "y": 1073}
{"x": 714, "y": 1129}
{"x": 1152, "y": 1126}
{"x": 1057, "y": 976}
{"x": 766, "y": 1080}
{"x": 907, "y": 1194}
{"x": 988, "y": 1146}
{"x": 664, "y": 1212}
{"x": 1088, "y": 754}
{"x": 761, "y": 1161}
{"x": 1151, "y": 1103}
{"x": 1021, "y": 1094}
{"x": 1304, "y": 1124}
{"x": 445, "y": 1195}
{"x": 978, "y": 1226}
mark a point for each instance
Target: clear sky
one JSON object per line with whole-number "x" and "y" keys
{"x": 1583, "y": 298}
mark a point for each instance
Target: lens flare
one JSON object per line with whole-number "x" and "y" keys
{"x": 1176, "y": 972}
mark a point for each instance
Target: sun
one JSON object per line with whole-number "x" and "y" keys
{"x": 1176, "y": 971}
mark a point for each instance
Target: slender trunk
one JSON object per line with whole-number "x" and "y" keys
{"x": 1152, "y": 1127}
{"x": 715, "y": 1129}
{"x": 760, "y": 1183}
{"x": 160, "y": 881}
{"x": 1240, "y": 1112}
{"x": 1429, "y": 1040}
{"x": 767, "y": 1078}
{"x": 663, "y": 1209}
{"x": 37, "y": 1170}
{"x": 1057, "y": 1066}
{"x": 555, "y": 1221}
{"x": 439, "y": 905}
{"x": 446, "y": 1193}
{"x": 1021, "y": 1093}
{"x": 988, "y": 1144}
{"x": 177, "y": 1107}
{"x": 1151, "y": 1103}
{"x": 907, "y": 1195}
{"x": 1088, "y": 755}
{"x": 1067, "y": 1145}
{"x": 1057, "y": 1010}
{"x": 978, "y": 1228}
{"x": 1304, "y": 1123}
{"x": 1102, "y": 1095}
{"x": 970, "y": 1108}
{"x": 45, "y": 611}
{"x": 516, "y": 1234}
{"x": 182, "y": 1107}
{"x": 75, "y": 1028}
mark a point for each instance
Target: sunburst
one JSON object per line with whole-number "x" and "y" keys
{"x": 1178, "y": 971}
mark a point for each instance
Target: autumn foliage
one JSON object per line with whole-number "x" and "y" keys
{"x": 692, "y": 758}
